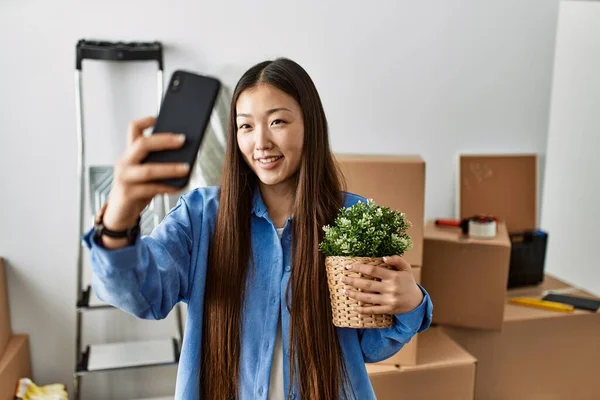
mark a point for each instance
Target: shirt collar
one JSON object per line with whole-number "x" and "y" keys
{"x": 258, "y": 205}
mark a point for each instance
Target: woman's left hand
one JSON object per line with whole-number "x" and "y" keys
{"x": 396, "y": 293}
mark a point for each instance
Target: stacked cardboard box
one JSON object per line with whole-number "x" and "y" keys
{"x": 14, "y": 365}
{"x": 521, "y": 352}
{"x": 404, "y": 190}
{"x": 398, "y": 182}
{"x": 5, "y": 327}
{"x": 539, "y": 354}
{"x": 502, "y": 185}
{"x": 14, "y": 349}
{"x": 466, "y": 278}
{"x": 505, "y": 186}
{"x": 443, "y": 370}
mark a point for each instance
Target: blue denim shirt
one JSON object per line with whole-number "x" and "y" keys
{"x": 168, "y": 266}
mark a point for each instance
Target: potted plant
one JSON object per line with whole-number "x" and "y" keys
{"x": 363, "y": 233}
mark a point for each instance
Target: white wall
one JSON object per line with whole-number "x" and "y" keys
{"x": 432, "y": 78}
{"x": 572, "y": 186}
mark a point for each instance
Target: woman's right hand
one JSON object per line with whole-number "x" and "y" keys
{"x": 134, "y": 183}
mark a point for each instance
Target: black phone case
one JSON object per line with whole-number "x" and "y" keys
{"x": 186, "y": 108}
{"x": 581, "y": 303}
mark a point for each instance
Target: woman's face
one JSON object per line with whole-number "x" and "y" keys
{"x": 270, "y": 133}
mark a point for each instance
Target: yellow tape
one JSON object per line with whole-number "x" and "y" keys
{"x": 546, "y": 305}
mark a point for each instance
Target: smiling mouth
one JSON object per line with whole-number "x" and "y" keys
{"x": 268, "y": 160}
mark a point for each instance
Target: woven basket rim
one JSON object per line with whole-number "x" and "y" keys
{"x": 364, "y": 257}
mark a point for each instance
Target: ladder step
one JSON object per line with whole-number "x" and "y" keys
{"x": 89, "y": 302}
{"x": 127, "y": 355}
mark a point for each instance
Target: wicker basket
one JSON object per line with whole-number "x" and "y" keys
{"x": 343, "y": 315}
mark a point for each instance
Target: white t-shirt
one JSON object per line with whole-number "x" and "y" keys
{"x": 276, "y": 389}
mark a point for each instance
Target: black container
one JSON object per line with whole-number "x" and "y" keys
{"x": 527, "y": 258}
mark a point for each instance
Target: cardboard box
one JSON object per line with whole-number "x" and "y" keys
{"x": 407, "y": 354}
{"x": 14, "y": 365}
{"x": 397, "y": 182}
{"x": 444, "y": 371}
{"x": 539, "y": 354}
{"x": 5, "y": 328}
{"x": 501, "y": 185}
{"x": 466, "y": 278}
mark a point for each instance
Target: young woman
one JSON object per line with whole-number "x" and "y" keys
{"x": 245, "y": 258}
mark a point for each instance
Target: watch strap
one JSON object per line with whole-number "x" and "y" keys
{"x": 100, "y": 229}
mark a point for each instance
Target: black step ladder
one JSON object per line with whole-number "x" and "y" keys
{"x": 127, "y": 355}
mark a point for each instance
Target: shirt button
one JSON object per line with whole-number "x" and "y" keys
{"x": 260, "y": 391}
{"x": 287, "y": 268}
{"x": 292, "y": 395}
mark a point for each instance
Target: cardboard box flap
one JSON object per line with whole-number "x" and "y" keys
{"x": 432, "y": 232}
{"x": 513, "y": 312}
{"x": 550, "y": 358}
{"x": 549, "y": 283}
{"x": 15, "y": 364}
{"x": 379, "y": 158}
{"x": 379, "y": 369}
{"x": 445, "y": 371}
{"x": 14, "y": 347}
{"x": 5, "y": 324}
{"x": 501, "y": 185}
{"x": 435, "y": 350}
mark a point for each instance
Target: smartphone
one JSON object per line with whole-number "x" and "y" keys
{"x": 581, "y": 303}
{"x": 186, "y": 108}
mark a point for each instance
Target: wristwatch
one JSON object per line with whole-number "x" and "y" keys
{"x": 100, "y": 230}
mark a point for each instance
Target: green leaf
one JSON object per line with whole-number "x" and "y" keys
{"x": 367, "y": 230}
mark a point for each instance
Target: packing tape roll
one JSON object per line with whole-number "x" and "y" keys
{"x": 482, "y": 229}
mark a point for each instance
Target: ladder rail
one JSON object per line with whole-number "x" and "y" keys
{"x": 119, "y": 52}
{"x": 81, "y": 198}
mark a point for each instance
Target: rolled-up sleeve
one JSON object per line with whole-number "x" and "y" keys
{"x": 148, "y": 278}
